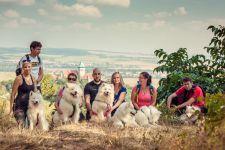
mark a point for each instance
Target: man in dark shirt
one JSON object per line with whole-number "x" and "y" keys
{"x": 91, "y": 90}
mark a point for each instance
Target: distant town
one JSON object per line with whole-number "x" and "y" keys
{"x": 60, "y": 65}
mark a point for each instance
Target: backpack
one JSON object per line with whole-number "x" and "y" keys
{"x": 138, "y": 87}
{"x": 19, "y": 70}
{"x": 186, "y": 92}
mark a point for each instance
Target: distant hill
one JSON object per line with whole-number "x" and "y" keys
{"x": 74, "y": 51}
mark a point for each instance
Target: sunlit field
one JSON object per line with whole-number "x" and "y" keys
{"x": 86, "y": 135}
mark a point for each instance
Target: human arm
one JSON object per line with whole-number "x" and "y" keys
{"x": 17, "y": 82}
{"x": 120, "y": 100}
{"x": 169, "y": 100}
{"x": 187, "y": 103}
{"x": 154, "y": 96}
{"x": 40, "y": 75}
{"x": 88, "y": 103}
{"x": 57, "y": 101}
{"x": 133, "y": 99}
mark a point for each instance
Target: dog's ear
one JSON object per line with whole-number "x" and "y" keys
{"x": 31, "y": 93}
{"x": 103, "y": 84}
{"x": 38, "y": 91}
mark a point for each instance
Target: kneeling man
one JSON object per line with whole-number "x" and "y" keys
{"x": 187, "y": 95}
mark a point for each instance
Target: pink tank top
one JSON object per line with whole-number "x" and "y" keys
{"x": 144, "y": 99}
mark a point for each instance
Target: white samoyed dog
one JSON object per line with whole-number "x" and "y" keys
{"x": 69, "y": 104}
{"x": 123, "y": 117}
{"x": 35, "y": 112}
{"x": 103, "y": 102}
{"x": 190, "y": 115}
{"x": 147, "y": 115}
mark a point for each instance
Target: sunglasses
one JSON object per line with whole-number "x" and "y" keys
{"x": 72, "y": 79}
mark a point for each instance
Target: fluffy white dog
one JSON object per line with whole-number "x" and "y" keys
{"x": 103, "y": 103}
{"x": 69, "y": 104}
{"x": 35, "y": 112}
{"x": 190, "y": 115}
{"x": 147, "y": 115}
{"x": 123, "y": 117}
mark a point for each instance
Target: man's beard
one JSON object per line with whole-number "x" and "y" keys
{"x": 97, "y": 80}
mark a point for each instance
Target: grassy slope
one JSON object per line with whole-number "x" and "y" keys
{"x": 103, "y": 136}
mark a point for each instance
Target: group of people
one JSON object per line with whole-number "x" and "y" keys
{"x": 143, "y": 94}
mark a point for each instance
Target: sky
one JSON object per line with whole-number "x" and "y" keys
{"x": 111, "y": 25}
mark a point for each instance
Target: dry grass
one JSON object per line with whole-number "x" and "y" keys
{"x": 104, "y": 136}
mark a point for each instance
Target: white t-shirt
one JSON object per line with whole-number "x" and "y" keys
{"x": 35, "y": 65}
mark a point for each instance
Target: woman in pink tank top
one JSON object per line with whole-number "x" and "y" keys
{"x": 144, "y": 94}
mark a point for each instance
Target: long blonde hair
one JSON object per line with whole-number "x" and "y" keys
{"x": 121, "y": 79}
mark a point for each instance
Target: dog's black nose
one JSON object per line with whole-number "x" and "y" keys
{"x": 107, "y": 93}
{"x": 75, "y": 92}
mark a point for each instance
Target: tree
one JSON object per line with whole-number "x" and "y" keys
{"x": 207, "y": 72}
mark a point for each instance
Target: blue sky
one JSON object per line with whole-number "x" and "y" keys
{"x": 115, "y": 25}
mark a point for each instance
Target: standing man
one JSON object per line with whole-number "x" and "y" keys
{"x": 36, "y": 61}
{"x": 91, "y": 90}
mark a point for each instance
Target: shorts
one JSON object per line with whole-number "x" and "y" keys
{"x": 20, "y": 116}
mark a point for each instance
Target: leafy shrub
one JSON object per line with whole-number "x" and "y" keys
{"x": 48, "y": 87}
{"x": 216, "y": 111}
{"x": 208, "y": 72}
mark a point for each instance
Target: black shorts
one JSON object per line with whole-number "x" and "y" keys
{"x": 20, "y": 116}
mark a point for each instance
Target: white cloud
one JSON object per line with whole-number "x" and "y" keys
{"x": 121, "y": 3}
{"x": 42, "y": 12}
{"x": 11, "y": 13}
{"x": 79, "y": 9}
{"x": 159, "y": 23}
{"x": 162, "y": 14}
{"x": 132, "y": 25}
{"x": 21, "y": 2}
{"x": 8, "y": 1}
{"x": 27, "y": 2}
{"x": 85, "y": 26}
{"x": 57, "y": 28}
{"x": 12, "y": 24}
{"x": 180, "y": 11}
{"x": 28, "y": 21}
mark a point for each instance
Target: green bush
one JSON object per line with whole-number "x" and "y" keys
{"x": 216, "y": 111}
{"x": 208, "y": 72}
{"x": 49, "y": 88}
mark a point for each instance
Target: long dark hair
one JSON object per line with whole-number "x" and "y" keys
{"x": 146, "y": 75}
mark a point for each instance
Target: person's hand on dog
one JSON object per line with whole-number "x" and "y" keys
{"x": 80, "y": 105}
{"x": 93, "y": 113}
{"x": 58, "y": 109}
